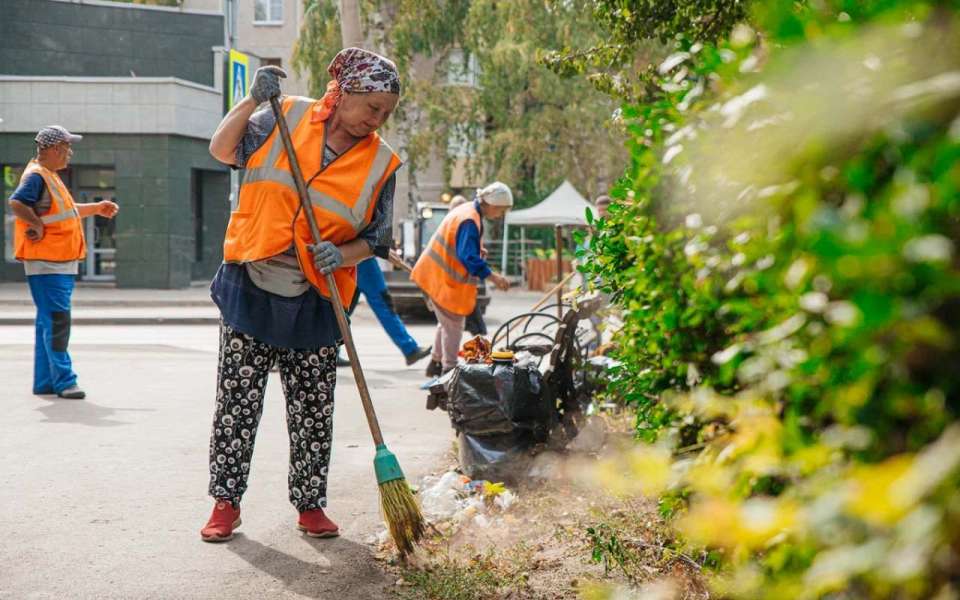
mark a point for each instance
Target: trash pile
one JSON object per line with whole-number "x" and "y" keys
{"x": 476, "y": 350}
{"x": 461, "y": 500}
{"x": 508, "y": 404}
{"x": 498, "y": 410}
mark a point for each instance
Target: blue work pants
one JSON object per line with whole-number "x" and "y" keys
{"x": 374, "y": 287}
{"x": 52, "y": 368}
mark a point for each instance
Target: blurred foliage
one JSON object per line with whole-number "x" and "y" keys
{"x": 783, "y": 248}
{"x": 318, "y": 42}
{"x": 473, "y": 85}
{"x": 639, "y": 34}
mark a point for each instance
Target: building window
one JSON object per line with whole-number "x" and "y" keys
{"x": 462, "y": 140}
{"x": 276, "y": 62}
{"x": 267, "y": 12}
{"x": 462, "y": 69}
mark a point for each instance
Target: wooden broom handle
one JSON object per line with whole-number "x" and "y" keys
{"x": 398, "y": 262}
{"x": 331, "y": 282}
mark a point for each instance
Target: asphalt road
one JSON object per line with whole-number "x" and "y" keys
{"x": 104, "y": 498}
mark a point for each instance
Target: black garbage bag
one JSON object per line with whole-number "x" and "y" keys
{"x": 501, "y": 457}
{"x": 498, "y": 399}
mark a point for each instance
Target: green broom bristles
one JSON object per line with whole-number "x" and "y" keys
{"x": 402, "y": 514}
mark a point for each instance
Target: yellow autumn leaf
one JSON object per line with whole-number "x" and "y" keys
{"x": 710, "y": 479}
{"x": 746, "y": 525}
{"x": 810, "y": 458}
{"x": 492, "y": 490}
{"x": 644, "y": 470}
{"x": 870, "y": 493}
{"x": 651, "y": 469}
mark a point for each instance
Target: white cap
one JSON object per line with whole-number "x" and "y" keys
{"x": 496, "y": 194}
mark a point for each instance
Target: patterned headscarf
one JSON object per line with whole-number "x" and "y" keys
{"x": 356, "y": 71}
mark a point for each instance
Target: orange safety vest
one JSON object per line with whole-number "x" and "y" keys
{"x": 440, "y": 273}
{"x": 62, "y": 233}
{"x": 343, "y": 195}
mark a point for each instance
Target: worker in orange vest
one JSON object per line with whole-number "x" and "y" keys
{"x": 270, "y": 289}
{"x": 474, "y": 324}
{"x": 452, "y": 264}
{"x": 48, "y": 239}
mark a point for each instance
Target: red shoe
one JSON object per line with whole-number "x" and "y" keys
{"x": 223, "y": 521}
{"x": 317, "y": 524}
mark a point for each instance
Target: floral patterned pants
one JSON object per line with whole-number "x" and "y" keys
{"x": 308, "y": 378}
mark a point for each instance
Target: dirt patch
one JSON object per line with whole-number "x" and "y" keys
{"x": 557, "y": 541}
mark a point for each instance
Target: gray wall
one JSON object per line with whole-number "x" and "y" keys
{"x": 155, "y": 176}
{"x": 213, "y": 188}
{"x": 42, "y": 37}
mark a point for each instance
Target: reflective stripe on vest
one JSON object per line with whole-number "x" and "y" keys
{"x": 60, "y": 216}
{"x": 296, "y": 112}
{"x": 435, "y": 256}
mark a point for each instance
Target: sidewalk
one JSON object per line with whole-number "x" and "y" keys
{"x": 97, "y": 304}
{"x": 107, "y": 305}
{"x": 107, "y": 295}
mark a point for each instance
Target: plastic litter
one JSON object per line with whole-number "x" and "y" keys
{"x": 440, "y": 497}
{"x": 454, "y": 497}
{"x": 505, "y": 500}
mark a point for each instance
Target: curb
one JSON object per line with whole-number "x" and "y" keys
{"x": 26, "y": 302}
{"x": 121, "y": 321}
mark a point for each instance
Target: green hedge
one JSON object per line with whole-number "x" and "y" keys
{"x": 783, "y": 248}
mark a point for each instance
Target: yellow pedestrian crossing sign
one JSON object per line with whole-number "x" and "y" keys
{"x": 239, "y": 70}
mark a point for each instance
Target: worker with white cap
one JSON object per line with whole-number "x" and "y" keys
{"x": 451, "y": 266}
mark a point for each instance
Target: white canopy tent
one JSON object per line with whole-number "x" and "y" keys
{"x": 565, "y": 206}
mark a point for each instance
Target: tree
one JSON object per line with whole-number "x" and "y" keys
{"x": 639, "y": 34}
{"x": 522, "y": 123}
{"x": 350, "y": 29}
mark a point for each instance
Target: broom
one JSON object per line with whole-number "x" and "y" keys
{"x": 400, "y": 509}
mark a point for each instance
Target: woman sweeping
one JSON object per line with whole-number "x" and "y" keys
{"x": 270, "y": 288}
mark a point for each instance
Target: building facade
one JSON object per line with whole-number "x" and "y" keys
{"x": 142, "y": 84}
{"x": 266, "y": 29}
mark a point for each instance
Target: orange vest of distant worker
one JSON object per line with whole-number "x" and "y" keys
{"x": 440, "y": 273}
{"x": 62, "y": 233}
{"x": 343, "y": 196}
